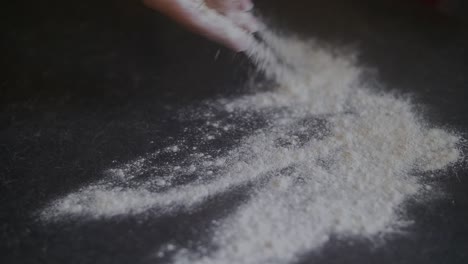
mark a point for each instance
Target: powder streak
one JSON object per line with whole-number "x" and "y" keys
{"x": 336, "y": 158}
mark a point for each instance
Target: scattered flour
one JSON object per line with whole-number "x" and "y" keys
{"x": 329, "y": 156}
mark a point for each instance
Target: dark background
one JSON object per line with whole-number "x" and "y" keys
{"x": 85, "y": 83}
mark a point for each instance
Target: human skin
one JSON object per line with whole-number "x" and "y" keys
{"x": 234, "y": 11}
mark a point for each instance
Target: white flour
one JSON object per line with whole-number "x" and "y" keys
{"x": 330, "y": 157}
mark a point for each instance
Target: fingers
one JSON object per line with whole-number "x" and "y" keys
{"x": 237, "y": 11}
{"x": 229, "y": 6}
{"x": 232, "y": 29}
{"x": 244, "y": 20}
{"x": 246, "y": 5}
{"x": 237, "y": 41}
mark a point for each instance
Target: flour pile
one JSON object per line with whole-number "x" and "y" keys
{"x": 320, "y": 155}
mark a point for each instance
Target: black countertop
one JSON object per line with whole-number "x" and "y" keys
{"x": 87, "y": 83}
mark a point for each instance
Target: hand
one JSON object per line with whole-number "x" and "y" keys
{"x": 228, "y": 22}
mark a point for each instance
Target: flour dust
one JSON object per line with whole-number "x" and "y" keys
{"x": 324, "y": 155}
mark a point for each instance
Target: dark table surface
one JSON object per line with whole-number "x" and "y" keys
{"x": 86, "y": 83}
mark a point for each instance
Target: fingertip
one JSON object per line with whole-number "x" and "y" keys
{"x": 245, "y": 20}
{"x": 246, "y": 5}
{"x": 239, "y": 43}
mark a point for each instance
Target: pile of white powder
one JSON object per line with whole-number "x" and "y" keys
{"x": 328, "y": 156}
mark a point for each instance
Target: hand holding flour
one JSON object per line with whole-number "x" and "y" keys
{"x": 225, "y": 21}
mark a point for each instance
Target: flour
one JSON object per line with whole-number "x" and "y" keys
{"x": 321, "y": 155}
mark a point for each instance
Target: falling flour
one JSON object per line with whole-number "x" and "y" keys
{"x": 321, "y": 155}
